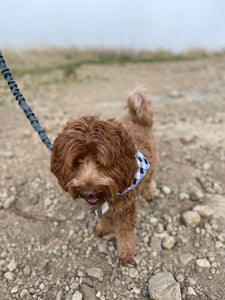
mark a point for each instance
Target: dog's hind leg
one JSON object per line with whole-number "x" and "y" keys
{"x": 147, "y": 190}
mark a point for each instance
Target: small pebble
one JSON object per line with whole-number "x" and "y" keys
{"x": 14, "y": 290}
{"x": 166, "y": 190}
{"x": 133, "y": 273}
{"x": 168, "y": 242}
{"x": 203, "y": 210}
{"x": 206, "y": 166}
{"x": 163, "y": 286}
{"x": 24, "y": 292}
{"x": 95, "y": 273}
{"x": 12, "y": 265}
{"x": 186, "y": 258}
{"x": 203, "y": 263}
{"x": 9, "y": 276}
{"x": 180, "y": 278}
{"x": 77, "y": 296}
{"x": 59, "y": 295}
{"x": 188, "y": 139}
{"x": 159, "y": 228}
{"x": 195, "y": 193}
{"x": 183, "y": 196}
{"x": 191, "y": 218}
{"x": 26, "y": 270}
{"x": 191, "y": 291}
{"x": 137, "y": 290}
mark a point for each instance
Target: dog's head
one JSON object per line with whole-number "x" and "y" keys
{"x": 94, "y": 159}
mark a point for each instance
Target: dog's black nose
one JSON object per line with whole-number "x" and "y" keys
{"x": 88, "y": 193}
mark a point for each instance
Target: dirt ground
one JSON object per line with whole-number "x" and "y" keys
{"x": 42, "y": 259}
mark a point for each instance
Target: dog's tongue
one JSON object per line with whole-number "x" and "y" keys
{"x": 92, "y": 201}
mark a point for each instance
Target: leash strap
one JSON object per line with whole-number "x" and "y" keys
{"x": 22, "y": 103}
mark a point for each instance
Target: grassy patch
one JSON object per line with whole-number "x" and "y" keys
{"x": 43, "y": 60}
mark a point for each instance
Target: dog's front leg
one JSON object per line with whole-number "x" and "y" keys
{"x": 124, "y": 229}
{"x": 104, "y": 226}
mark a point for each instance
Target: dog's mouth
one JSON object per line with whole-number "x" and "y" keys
{"x": 93, "y": 201}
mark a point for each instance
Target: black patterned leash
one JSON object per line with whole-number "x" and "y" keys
{"x": 22, "y": 103}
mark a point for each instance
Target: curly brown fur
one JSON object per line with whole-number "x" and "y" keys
{"x": 95, "y": 159}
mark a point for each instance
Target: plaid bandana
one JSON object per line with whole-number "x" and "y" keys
{"x": 142, "y": 170}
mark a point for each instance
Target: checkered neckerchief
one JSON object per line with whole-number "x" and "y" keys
{"x": 142, "y": 170}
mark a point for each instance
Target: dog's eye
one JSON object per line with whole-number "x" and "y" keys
{"x": 77, "y": 163}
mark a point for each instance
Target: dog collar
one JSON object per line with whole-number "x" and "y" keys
{"x": 143, "y": 166}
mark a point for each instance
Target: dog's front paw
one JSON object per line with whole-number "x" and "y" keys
{"x": 98, "y": 232}
{"x": 128, "y": 260}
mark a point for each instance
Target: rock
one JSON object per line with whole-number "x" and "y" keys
{"x": 191, "y": 291}
{"x": 163, "y": 286}
{"x": 219, "y": 245}
{"x": 77, "y": 296}
{"x": 168, "y": 241}
{"x": 192, "y": 281}
{"x": 221, "y": 237}
{"x": 217, "y": 204}
{"x": 74, "y": 285}
{"x": 191, "y": 218}
{"x": 6, "y": 154}
{"x": 186, "y": 258}
{"x": 174, "y": 94}
{"x": 206, "y": 166}
{"x": 59, "y": 295}
{"x": 155, "y": 244}
{"x": 133, "y": 273}
{"x": 145, "y": 292}
{"x": 136, "y": 290}
{"x": 9, "y": 276}
{"x": 102, "y": 247}
{"x": 203, "y": 210}
{"x": 98, "y": 294}
{"x": 180, "y": 278}
{"x": 195, "y": 193}
{"x": 12, "y": 265}
{"x": 27, "y": 133}
{"x": 47, "y": 202}
{"x": 25, "y": 292}
{"x": 183, "y": 196}
{"x": 14, "y": 290}
{"x": 203, "y": 263}
{"x": 159, "y": 228}
{"x": 188, "y": 139}
{"x": 166, "y": 190}
{"x": 9, "y": 202}
{"x": 95, "y": 273}
{"x": 81, "y": 216}
{"x": 26, "y": 270}
{"x": 88, "y": 292}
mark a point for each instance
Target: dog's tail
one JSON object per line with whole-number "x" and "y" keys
{"x": 139, "y": 107}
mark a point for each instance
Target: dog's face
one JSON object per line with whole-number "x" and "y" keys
{"x": 94, "y": 159}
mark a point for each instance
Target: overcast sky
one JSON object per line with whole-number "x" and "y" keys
{"x": 169, "y": 24}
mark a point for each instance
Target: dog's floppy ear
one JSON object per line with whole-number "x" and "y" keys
{"x": 125, "y": 164}
{"x": 58, "y": 164}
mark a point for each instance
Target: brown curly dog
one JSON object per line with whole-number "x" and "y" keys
{"x": 96, "y": 159}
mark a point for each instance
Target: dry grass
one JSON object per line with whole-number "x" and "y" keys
{"x": 39, "y": 60}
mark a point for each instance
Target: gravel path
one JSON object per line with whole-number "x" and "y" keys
{"x": 180, "y": 236}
